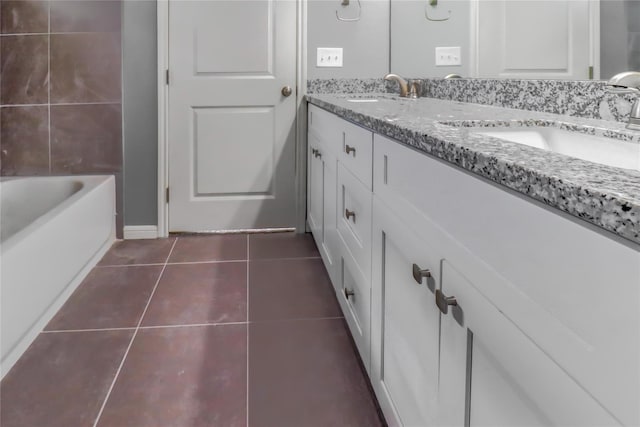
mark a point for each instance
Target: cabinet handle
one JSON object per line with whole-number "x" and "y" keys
{"x": 444, "y": 302}
{"x": 350, "y": 214}
{"x": 314, "y": 151}
{"x": 349, "y": 150}
{"x": 419, "y": 273}
{"x": 348, "y": 293}
{"x": 318, "y": 154}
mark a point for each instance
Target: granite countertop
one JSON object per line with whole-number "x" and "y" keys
{"x": 606, "y": 196}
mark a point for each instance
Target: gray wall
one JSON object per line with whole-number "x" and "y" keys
{"x": 414, "y": 38}
{"x": 365, "y": 43}
{"x": 140, "y": 112}
{"x": 619, "y": 37}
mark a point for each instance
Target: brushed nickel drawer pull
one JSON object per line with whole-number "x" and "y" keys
{"x": 349, "y": 293}
{"x": 350, "y": 214}
{"x": 348, "y": 149}
{"x": 419, "y": 273}
{"x": 444, "y": 302}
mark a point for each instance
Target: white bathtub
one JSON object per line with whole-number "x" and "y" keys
{"x": 53, "y": 230}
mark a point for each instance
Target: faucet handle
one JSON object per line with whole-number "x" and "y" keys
{"x": 415, "y": 88}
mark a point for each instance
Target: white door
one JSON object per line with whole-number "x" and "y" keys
{"x": 534, "y": 39}
{"x": 231, "y": 128}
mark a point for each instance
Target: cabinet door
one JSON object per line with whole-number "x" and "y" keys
{"x": 492, "y": 374}
{"x": 321, "y": 201}
{"x": 329, "y": 240}
{"x": 315, "y": 188}
{"x": 405, "y": 321}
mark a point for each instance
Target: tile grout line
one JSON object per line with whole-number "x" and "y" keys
{"x": 288, "y": 258}
{"x": 56, "y": 33}
{"x": 190, "y": 325}
{"x": 193, "y": 325}
{"x": 49, "y": 84}
{"x": 295, "y": 319}
{"x": 207, "y": 262}
{"x": 133, "y": 337}
{"x": 62, "y": 331}
{"x": 62, "y": 104}
{"x": 247, "y": 406}
{"x": 172, "y": 263}
{"x": 133, "y": 328}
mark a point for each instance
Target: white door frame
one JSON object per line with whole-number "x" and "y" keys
{"x": 163, "y": 122}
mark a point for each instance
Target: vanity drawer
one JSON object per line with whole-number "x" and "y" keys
{"x": 356, "y": 152}
{"x": 354, "y": 218}
{"x": 354, "y": 294}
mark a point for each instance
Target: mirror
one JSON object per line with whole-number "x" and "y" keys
{"x": 530, "y": 39}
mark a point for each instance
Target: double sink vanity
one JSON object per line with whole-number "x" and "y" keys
{"x": 487, "y": 260}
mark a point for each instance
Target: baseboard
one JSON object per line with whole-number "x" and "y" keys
{"x": 138, "y": 232}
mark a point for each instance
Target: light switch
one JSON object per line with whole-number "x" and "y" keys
{"x": 329, "y": 57}
{"x": 447, "y": 56}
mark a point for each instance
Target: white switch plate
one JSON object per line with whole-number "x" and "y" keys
{"x": 329, "y": 57}
{"x": 446, "y": 56}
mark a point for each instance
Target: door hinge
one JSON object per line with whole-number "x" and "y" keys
{"x": 166, "y": 195}
{"x": 591, "y": 72}
{"x": 166, "y": 74}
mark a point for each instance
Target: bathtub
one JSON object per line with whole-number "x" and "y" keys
{"x": 53, "y": 230}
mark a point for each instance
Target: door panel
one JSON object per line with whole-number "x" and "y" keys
{"x": 506, "y": 47}
{"x": 231, "y": 131}
{"x": 233, "y": 152}
{"x": 215, "y": 54}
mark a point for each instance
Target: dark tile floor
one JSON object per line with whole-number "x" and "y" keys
{"x": 195, "y": 331}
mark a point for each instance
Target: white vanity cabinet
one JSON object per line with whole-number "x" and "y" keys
{"x": 339, "y": 183}
{"x": 544, "y": 322}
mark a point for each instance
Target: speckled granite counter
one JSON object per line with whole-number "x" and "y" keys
{"x": 606, "y": 196}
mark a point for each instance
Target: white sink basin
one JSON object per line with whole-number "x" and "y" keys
{"x": 598, "y": 149}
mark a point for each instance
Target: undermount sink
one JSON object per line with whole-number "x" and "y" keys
{"x": 597, "y": 149}
{"x": 362, "y": 100}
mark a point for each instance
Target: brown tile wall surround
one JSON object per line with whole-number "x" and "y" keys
{"x": 61, "y": 89}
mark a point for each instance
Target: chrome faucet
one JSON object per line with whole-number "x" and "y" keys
{"x": 404, "y": 86}
{"x": 628, "y": 82}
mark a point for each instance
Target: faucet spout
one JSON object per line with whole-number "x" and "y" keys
{"x": 404, "y": 86}
{"x": 628, "y": 82}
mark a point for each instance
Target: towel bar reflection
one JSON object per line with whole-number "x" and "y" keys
{"x": 434, "y": 3}
{"x": 357, "y": 18}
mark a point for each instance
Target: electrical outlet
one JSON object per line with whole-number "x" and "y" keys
{"x": 447, "y": 56}
{"x": 329, "y": 57}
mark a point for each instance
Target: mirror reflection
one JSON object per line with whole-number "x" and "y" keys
{"x": 530, "y": 39}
